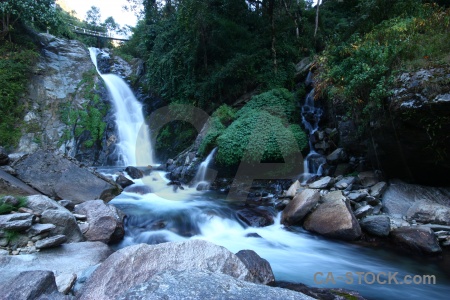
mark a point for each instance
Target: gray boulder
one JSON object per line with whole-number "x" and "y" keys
{"x": 256, "y": 217}
{"x": 139, "y": 263}
{"x": 376, "y": 225}
{"x": 65, "y": 223}
{"x": 378, "y": 189}
{"x": 334, "y": 219}
{"x": 429, "y": 213}
{"x": 50, "y": 242}
{"x": 363, "y": 211}
{"x": 322, "y": 183}
{"x": 417, "y": 240}
{"x": 203, "y": 284}
{"x": 258, "y": 266}
{"x": 105, "y": 221}
{"x": 61, "y": 177}
{"x": 300, "y": 206}
{"x": 16, "y": 221}
{"x": 337, "y": 156}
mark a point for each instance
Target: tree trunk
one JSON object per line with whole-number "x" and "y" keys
{"x": 317, "y": 18}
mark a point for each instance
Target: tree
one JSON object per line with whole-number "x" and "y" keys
{"x": 111, "y": 25}
{"x": 42, "y": 13}
{"x": 93, "y": 16}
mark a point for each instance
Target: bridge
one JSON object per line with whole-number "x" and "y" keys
{"x": 98, "y": 34}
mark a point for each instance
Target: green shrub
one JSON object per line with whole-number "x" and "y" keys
{"x": 225, "y": 114}
{"x": 209, "y": 141}
{"x": 7, "y": 208}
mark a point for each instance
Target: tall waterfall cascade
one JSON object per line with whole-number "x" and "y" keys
{"x": 134, "y": 146}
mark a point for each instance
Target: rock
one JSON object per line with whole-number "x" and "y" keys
{"x": 337, "y": 156}
{"x": 256, "y": 217}
{"x": 4, "y": 158}
{"x": 332, "y": 196}
{"x": 342, "y": 169}
{"x": 322, "y": 183}
{"x": 31, "y": 285}
{"x": 363, "y": 211}
{"x": 65, "y": 223}
{"x": 65, "y": 259}
{"x": 378, "y": 189}
{"x": 398, "y": 223}
{"x": 334, "y": 219}
{"x": 67, "y": 204}
{"x": 65, "y": 282}
{"x": 293, "y": 189}
{"x": 9, "y": 200}
{"x": 123, "y": 181}
{"x": 41, "y": 203}
{"x": 300, "y": 206}
{"x": 16, "y": 222}
{"x": 105, "y": 221}
{"x": 429, "y": 213}
{"x": 60, "y": 177}
{"x": 139, "y": 189}
{"x": 348, "y": 135}
{"x": 13, "y": 186}
{"x": 259, "y": 267}
{"x": 203, "y": 284}
{"x": 357, "y": 195}
{"x": 344, "y": 182}
{"x": 134, "y": 172}
{"x": 320, "y": 293}
{"x": 38, "y": 229}
{"x": 368, "y": 178}
{"x": 376, "y": 225}
{"x": 418, "y": 240}
{"x": 50, "y": 242}
{"x": 139, "y": 263}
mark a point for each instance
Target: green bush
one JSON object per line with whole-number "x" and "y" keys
{"x": 256, "y": 136}
{"x": 225, "y": 114}
{"x": 209, "y": 141}
{"x": 6, "y": 208}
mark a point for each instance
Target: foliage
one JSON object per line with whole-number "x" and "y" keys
{"x": 225, "y": 114}
{"x": 6, "y": 208}
{"x": 173, "y": 138}
{"x": 15, "y": 64}
{"x": 216, "y": 128}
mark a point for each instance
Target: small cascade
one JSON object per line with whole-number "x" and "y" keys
{"x": 134, "y": 147}
{"x": 203, "y": 175}
{"x": 311, "y": 115}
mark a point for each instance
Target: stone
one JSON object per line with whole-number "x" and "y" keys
{"x": 398, "y": 223}
{"x": 256, "y": 217}
{"x": 334, "y": 219}
{"x": 139, "y": 263}
{"x": 50, "y": 242}
{"x": 293, "y": 189}
{"x": 65, "y": 282}
{"x": 357, "y": 195}
{"x": 429, "y": 213}
{"x": 417, "y": 240}
{"x": 10, "y": 200}
{"x": 123, "y": 181}
{"x": 38, "y": 229}
{"x": 204, "y": 284}
{"x": 259, "y": 267}
{"x": 337, "y": 156}
{"x": 363, "y": 211}
{"x": 138, "y": 189}
{"x": 41, "y": 203}
{"x": 348, "y": 135}
{"x": 16, "y": 221}
{"x": 367, "y": 178}
{"x": 378, "y": 189}
{"x": 342, "y": 169}
{"x": 105, "y": 221}
{"x": 332, "y": 196}
{"x": 60, "y": 177}
{"x": 376, "y": 225}
{"x": 4, "y": 158}
{"x": 65, "y": 223}
{"x": 67, "y": 204}
{"x": 300, "y": 206}
{"x": 134, "y": 172}
{"x": 322, "y": 183}
{"x": 31, "y": 285}
{"x": 344, "y": 182}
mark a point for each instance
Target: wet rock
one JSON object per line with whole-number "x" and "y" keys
{"x": 255, "y": 217}
{"x": 334, "y": 219}
{"x": 300, "y": 206}
{"x": 344, "y": 182}
{"x": 320, "y": 293}
{"x": 123, "y": 181}
{"x": 378, "y": 189}
{"x": 429, "y": 213}
{"x": 65, "y": 282}
{"x": 322, "y": 183}
{"x": 134, "y": 172}
{"x": 337, "y": 156}
{"x": 357, "y": 195}
{"x": 293, "y": 189}
{"x": 203, "y": 284}
{"x": 65, "y": 223}
{"x": 105, "y": 221}
{"x": 61, "y": 177}
{"x": 50, "y": 242}
{"x": 4, "y": 158}
{"x": 31, "y": 285}
{"x": 259, "y": 267}
{"x": 332, "y": 196}
{"x": 418, "y": 240}
{"x": 363, "y": 211}
{"x": 139, "y": 189}
{"x": 139, "y": 263}
{"x": 398, "y": 223}
{"x": 376, "y": 225}
{"x": 16, "y": 222}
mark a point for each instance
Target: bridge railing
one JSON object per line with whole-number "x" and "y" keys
{"x": 90, "y": 32}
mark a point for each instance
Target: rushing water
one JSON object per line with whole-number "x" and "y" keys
{"x": 295, "y": 256}
{"x": 203, "y": 176}
{"x": 134, "y": 146}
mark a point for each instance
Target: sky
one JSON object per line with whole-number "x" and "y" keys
{"x": 108, "y": 8}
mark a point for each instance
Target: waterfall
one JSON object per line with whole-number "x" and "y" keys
{"x": 202, "y": 173}
{"x": 311, "y": 115}
{"x": 134, "y": 145}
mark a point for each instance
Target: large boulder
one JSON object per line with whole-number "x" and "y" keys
{"x": 203, "y": 284}
{"x": 17, "y": 221}
{"x": 31, "y": 285}
{"x": 429, "y": 213}
{"x": 256, "y": 217}
{"x": 258, "y": 266}
{"x": 65, "y": 223}
{"x": 298, "y": 207}
{"x": 105, "y": 221}
{"x": 139, "y": 263}
{"x": 417, "y": 240}
{"x": 61, "y": 177}
{"x": 334, "y": 219}
{"x": 377, "y": 225}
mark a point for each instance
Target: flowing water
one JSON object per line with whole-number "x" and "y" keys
{"x": 295, "y": 255}
{"x": 203, "y": 176}
{"x": 134, "y": 146}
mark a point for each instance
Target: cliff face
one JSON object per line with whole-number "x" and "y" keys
{"x": 413, "y": 141}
